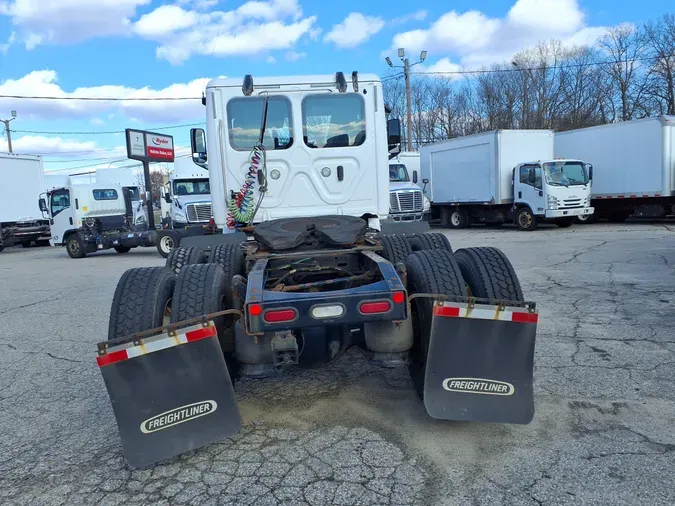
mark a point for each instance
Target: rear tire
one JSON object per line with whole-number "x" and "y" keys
{"x": 489, "y": 274}
{"x": 429, "y": 271}
{"x": 202, "y": 289}
{"x": 167, "y": 242}
{"x": 186, "y": 255}
{"x": 430, "y": 241}
{"x": 142, "y": 301}
{"x": 459, "y": 218}
{"x": 75, "y": 246}
{"x": 231, "y": 258}
{"x": 396, "y": 248}
{"x": 122, "y": 249}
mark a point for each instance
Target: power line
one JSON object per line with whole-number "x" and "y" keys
{"x": 551, "y": 67}
{"x": 99, "y": 150}
{"x": 109, "y": 132}
{"x": 94, "y": 165}
{"x": 105, "y": 99}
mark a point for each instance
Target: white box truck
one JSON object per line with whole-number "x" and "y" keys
{"x": 633, "y": 164}
{"x": 504, "y": 176}
{"x": 21, "y": 221}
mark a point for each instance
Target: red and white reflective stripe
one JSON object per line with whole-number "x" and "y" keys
{"x": 626, "y": 196}
{"x": 154, "y": 345}
{"x": 481, "y": 312}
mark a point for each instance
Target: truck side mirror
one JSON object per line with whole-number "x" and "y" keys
{"x": 167, "y": 198}
{"x": 425, "y": 181}
{"x": 590, "y": 172}
{"x": 393, "y": 131}
{"x": 43, "y": 205}
{"x": 198, "y": 143}
{"x": 415, "y": 176}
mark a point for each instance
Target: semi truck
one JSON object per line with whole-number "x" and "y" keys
{"x": 406, "y": 201}
{"x": 21, "y": 221}
{"x": 634, "y": 164}
{"x": 504, "y": 176}
{"x": 185, "y": 204}
{"x": 86, "y": 218}
{"x": 302, "y": 267}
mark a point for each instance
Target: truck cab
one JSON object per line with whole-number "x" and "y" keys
{"x": 406, "y": 199}
{"x": 552, "y": 190}
{"x": 186, "y": 198}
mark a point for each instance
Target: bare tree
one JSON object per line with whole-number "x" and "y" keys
{"x": 660, "y": 40}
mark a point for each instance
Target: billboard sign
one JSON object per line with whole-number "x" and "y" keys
{"x": 149, "y": 146}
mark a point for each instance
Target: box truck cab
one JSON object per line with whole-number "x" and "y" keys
{"x": 504, "y": 176}
{"x": 406, "y": 200}
{"x": 186, "y": 198}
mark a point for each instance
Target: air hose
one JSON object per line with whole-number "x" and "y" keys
{"x": 241, "y": 207}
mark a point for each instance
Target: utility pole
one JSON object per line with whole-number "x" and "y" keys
{"x": 406, "y": 72}
{"x": 9, "y": 133}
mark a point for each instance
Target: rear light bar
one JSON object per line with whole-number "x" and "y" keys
{"x": 328, "y": 311}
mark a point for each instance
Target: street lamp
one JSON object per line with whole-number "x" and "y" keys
{"x": 9, "y": 134}
{"x": 406, "y": 70}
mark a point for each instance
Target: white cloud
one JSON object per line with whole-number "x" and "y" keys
{"x": 442, "y": 66}
{"x": 354, "y": 30}
{"x": 164, "y": 20}
{"x": 474, "y": 39}
{"x": 44, "y": 83}
{"x": 10, "y": 42}
{"x": 420, "y": 15}
{"x": 271, "y": 59}
{"x": 294, "y": 56}
{"x": 251, "y": 28}
{"x": 97, "y": 121}
{"x": 56, "y": 146}
{"x": 69, "y": 21}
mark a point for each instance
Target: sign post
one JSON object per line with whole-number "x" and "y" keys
{"x": 149, "y": 147}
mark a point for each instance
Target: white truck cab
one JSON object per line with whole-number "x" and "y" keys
{"x": 406, "y": 199}
{"x": 186, "y": 198}
{"x": 325, "y": 148}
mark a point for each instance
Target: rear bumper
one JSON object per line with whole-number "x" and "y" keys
{"x": 566, "y": 213}
{"x": 260, "y": 303}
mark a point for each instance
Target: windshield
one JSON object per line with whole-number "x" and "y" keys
{"x": 398, "y": 173}
{"x": 565, "y": 173}
{"x": 191, "y": 187}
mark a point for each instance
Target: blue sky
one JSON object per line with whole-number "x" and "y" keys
{"x": 152, "y": 48}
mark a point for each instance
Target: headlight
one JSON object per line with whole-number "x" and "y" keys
{"x": 180, "y": 218}
{"x": 140, "y": 219}
{"x": 427, "y": 204}
{"x": 552, "y": 202}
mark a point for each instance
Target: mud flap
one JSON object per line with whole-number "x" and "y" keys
{"x": 480, "y": 363}
{"x": 170, "y": 393}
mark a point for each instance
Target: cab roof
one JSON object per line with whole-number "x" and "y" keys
{"x": 297, "y": 80}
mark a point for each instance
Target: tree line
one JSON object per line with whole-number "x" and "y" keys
{"x": 629, "y": 73}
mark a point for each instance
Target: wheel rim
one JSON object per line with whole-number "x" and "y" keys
{"x": 74, "y": 247}
{"x": 166, "y": 243}
{"x": 456, "y": 218}
{"x": 584, "y": 217}
{"x": 525, "y": 219}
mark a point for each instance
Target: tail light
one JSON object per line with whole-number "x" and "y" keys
{"x": 380, "y": 306}
{"x": 280, "y": 315}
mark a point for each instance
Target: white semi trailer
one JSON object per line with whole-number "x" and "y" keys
{"x": 21, "y": 221}
{"x": 504, "y": 176}
{"x": 634, "y": 166}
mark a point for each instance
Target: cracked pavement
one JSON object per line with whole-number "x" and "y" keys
{"x": 351, "y": 433}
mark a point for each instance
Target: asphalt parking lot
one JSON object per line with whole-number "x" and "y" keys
{"x": 349, "y": 434}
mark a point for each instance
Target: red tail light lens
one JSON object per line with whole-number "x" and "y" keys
{"x": 280, "y": 315}
{"x": 382, "y": 306}
{"x": 255, "y": 310}
{"x": 398, "y": 297}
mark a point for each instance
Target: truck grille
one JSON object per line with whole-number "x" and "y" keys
{"x": 198, "y": 212}
{"x": 570, "y": 203}
{"x": 406, "y": 201}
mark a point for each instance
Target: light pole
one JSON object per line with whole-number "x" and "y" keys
{"x": 526, "y": 102}
{"x": 9, "y": 134}
{"x": 406, "y": 71}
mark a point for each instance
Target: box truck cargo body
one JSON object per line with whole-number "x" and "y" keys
{"x": 504, "y": 176}
{"x": 633, "y": 166}
{"x": 21, "y": 221}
